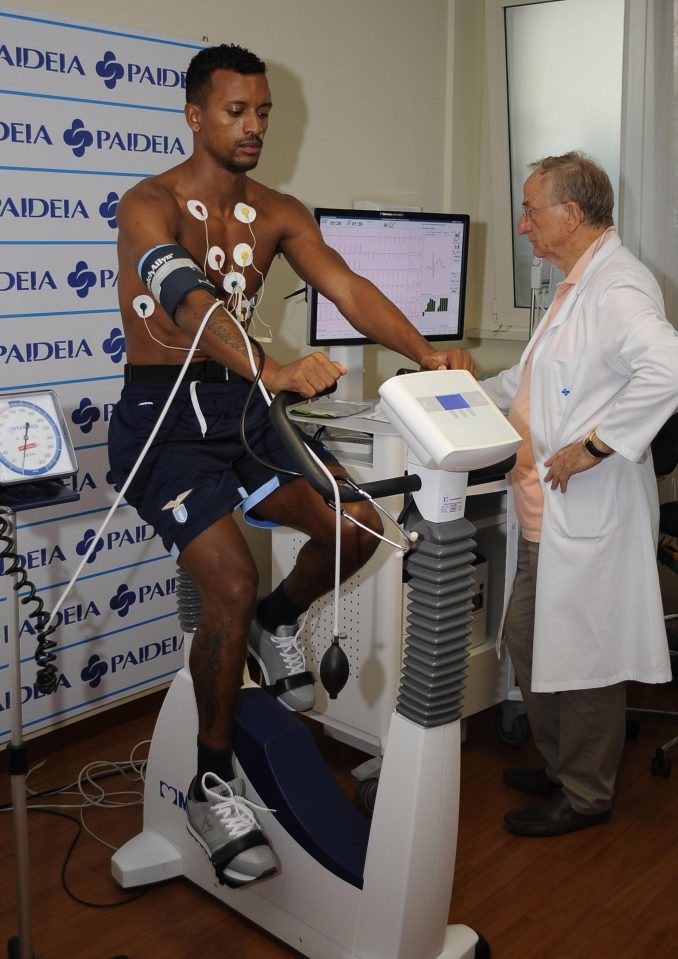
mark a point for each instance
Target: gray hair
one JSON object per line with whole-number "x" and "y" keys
{"x": 574, "y": 176}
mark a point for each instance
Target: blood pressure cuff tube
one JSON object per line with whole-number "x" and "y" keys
{"x": 170, "y": 274}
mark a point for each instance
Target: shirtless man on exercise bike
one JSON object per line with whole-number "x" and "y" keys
{"x": 204, "y": 231}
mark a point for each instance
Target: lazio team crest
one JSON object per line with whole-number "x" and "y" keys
{"x": 179, "y": 511}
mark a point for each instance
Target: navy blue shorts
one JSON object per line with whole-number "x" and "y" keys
{"x": 187, "y": 481}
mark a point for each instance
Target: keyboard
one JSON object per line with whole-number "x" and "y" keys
{"x": 332, "y": 409}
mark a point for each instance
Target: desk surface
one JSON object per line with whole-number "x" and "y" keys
{"x": 369, "y": 419}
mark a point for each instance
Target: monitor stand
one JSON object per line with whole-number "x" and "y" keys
{"x": 349, "y": 387}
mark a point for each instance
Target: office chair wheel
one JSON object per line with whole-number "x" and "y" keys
{"x": 632, "y": 729}
{"x": 482, "y": 950}
{"x": 366, "y": 795}
{"x": 512, "y": 729}
{"x": 661, "y": 764}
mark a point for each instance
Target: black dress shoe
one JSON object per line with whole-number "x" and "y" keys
{"x": 553, "y": 817}
{"x": 534, "y": 782}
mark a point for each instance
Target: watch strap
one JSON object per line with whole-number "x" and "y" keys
{"x": 593, "y": 450}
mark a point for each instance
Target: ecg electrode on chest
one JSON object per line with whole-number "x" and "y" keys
{"x": 170, "y": 272}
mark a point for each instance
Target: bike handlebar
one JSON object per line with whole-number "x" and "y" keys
{"x": 295, "y": 446}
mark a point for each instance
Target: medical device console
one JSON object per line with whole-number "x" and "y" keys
{"x": 418, "y": 260}
{"x": 452, "y": 424}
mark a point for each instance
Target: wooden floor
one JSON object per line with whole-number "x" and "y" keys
{"x": 605, "y": 893}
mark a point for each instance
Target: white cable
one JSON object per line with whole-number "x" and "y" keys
{"x": 207, "y": 248}
{"x": 409, "y": 538}
{"x": 102, "y": 800}
{"x": 253, "y": 365}
{"x": 335, "y": 490}
{"x": 182, "y": 349}
{"x": 384, "y": 539}
{"x": 337, "y": 536}
{"x": 135, "y": 468}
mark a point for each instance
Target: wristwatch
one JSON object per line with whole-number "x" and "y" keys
{"x": 593, "y": 450}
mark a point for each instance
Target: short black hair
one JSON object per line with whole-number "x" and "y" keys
{"x": 226, "y": 56}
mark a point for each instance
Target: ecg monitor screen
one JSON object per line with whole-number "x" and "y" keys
{"x": 418, "y": 260}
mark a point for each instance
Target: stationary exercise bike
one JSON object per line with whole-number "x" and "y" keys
{"x": 347, "y": 887}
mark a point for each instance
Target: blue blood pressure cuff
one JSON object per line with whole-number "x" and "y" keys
{"x": 170, "y": 274}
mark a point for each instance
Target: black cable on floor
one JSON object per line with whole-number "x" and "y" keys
{"x": 64, "y": 882}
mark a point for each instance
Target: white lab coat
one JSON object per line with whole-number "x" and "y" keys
{"x": 609, "y": 362}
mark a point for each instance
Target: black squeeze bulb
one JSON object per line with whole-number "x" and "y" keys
{"x": 334, "y": 669}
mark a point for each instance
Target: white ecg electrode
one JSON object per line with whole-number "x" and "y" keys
{"x": 216, "y": 258}
{"x": 144, "y": 306}
{"x": 242, "y": 254}
{"x": 234, "y": 281}
{"x": 197, "y": 209}
{"x": 244, "y": 213}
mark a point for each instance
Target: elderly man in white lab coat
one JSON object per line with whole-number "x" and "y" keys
{"x": 596, "y": 382}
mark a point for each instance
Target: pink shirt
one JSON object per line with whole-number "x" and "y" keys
{"x": 527, "y": 486}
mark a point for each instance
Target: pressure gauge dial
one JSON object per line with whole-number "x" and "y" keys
{"x": 34, "y": 439}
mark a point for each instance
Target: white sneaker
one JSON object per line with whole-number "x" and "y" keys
{"x": 227, "y": 829}
{"x": 282, "y": 663}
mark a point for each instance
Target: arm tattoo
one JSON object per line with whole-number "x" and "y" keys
{"x": 223, "y": 328}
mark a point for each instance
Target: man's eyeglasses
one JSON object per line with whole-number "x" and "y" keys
{"x": 528, "y": 213}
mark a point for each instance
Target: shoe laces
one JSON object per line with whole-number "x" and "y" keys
{"x": 234, "y": 812}
{"x": 286, "y": 640}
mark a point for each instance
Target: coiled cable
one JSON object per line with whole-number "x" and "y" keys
{"x": 44, "y": 657}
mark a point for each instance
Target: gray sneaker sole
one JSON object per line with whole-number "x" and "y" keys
{"x": 231, "y": 877}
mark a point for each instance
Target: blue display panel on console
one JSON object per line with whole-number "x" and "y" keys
{"x": 453, "y": 401}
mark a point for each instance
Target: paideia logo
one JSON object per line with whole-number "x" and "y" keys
{"x": 94, "y": 671}
{"x": 80, "y": 139}
{"x": 115, "y": 539}
{"x": 37, "y": 351}
{"x": 82, "y": 279}
{"x": 26, "y": 281}
{"x": 32, "y": 692}
{"x": 114, "y": 345}
{"x": 34, "y": 58}
{"x": 85, "y": 543}
{"x": 87, "y": 413}
{"x": 41, "y": 207}
{"x": 38, "y": 558}
{"x": 83, "y": 480}
{"x": 125, "y": 597}
{"x": 31, "y": 134}
{"x": 113, "y": 72}
{"x": 110, "y": 70}
{"x": 67, "y": 616}
{"x": 97, "y": 666}
{"x": 109, "y": 208}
